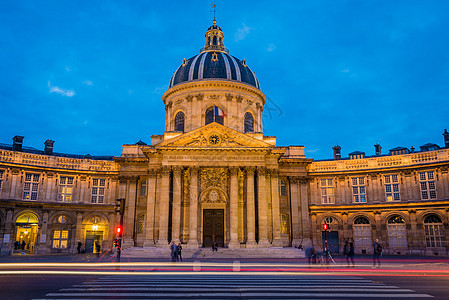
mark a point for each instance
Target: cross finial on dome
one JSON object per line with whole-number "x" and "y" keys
{"x": 213, "y": 6}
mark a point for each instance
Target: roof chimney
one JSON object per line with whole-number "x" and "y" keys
{"x": 378, "y": 149}
{"x": 446, "y": 138}
{"x": 337, "y": 154}
{"x": 48, "y": 147}
{"x": 17, "y": 143}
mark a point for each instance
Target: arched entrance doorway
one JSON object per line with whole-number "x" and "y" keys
{"x": 26, "y": 232}
{"x": 95, "y": 228}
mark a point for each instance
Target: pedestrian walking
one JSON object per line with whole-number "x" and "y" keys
{"x": 377, "y": 253}
{"x": 178, "y": 252}
{"x": 98, "y": 248}
{"x": 346, "y": 253}
{"x": 79, "y": 247}
{"x": 173, "y": 251}
{"x": 215, "y": 247}
{"x": 311, "y": 255}
{"x": 351, "y": 253}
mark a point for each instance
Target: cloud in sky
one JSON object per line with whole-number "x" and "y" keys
{"x": 63, "y": 92}
{"x": 271, "y": 48}
{"x": 88, "y": 82}
{"x": 242, "y": 32}
{"x": 345, "y": 71}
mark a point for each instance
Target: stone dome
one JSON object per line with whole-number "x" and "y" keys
{"x": 214, "y": 62}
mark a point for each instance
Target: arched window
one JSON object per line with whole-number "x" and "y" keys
{"x": 282, "y": 189}
{"x": 362, "y": 233}
{"x": 214, "y": 40}
{"x": 214, "y": 114}
{"x": 434, "y": 231}
{"x": 179, "y": 121}
{"x": 397, "y": 233}
{"x": 143, "y": 188}
{"x": 249, "y": 122}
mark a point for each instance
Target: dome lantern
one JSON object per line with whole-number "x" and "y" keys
{"x": 214, "y": 39}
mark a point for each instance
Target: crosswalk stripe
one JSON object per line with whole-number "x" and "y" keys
{"x": 171, "y": 287}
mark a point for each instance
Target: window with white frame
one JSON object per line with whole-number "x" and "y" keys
{"x": 362, "y": 233}
{"x": 327, "y": 190}
{"x": 434, "y": 231}
{"x": 143, "y": 188}
{"x": 358, "y": 189}
{"x": 427, "y": 184}
{"x": 98, "y": 187}
{"x": 1, "y": 178}
{"x": 392, "y": 188}
{"x": 397, "y": 233}
{"x": 65, "y": 189}
{"x": 31, "y": 186}
{"x": 282, "y": 188}
{"x": 60, "y": 238}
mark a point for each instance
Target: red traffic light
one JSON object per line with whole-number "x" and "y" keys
{"x": 118, "y": 230}
{"x": 325, "y": 226}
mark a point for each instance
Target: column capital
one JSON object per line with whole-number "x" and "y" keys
{"x": 165, "y": 170}
{"x": 273, "y": 172}
{"x": 153, "y": 171}
{"x": 233, "y": 171}
{"x": 177, "y": 170}
{"x": 294, "y": 179}
{"x": 250, "y": 170}
{"x": 261, "y": 171}
{"x": 194, "y": 170}
{"x": 124, "y": 179}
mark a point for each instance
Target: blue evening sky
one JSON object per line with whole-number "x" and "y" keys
{"x": 90, "y": 74}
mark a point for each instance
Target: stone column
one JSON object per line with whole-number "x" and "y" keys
{"x": 151, "y": 199}
{"x": 294, "y": 204}
{"x": 414, "y": 242}
{"x": 241, "y": 192}
{"x": 193, "y": 230}
{"x": 250, "y": 208}
{"x": 42, "y": 247}
{"x": 378, "y": 231}
{"x": 304, "y": 212}
{"x": 130, "y": 207}
{"x": 9, "y": 229}
{"x": 276, "y": 213}
{"x": 263, "y": 207}
{"x": 164, "y": 207}
{"x": 176, "y": 218}
{"x": 79, "y": 237}
{"x": 234, "y": 205}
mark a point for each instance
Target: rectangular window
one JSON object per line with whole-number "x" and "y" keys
{"x": 98, "y": 187}
{"x": 392, "y": 187}
{"x": 65, "y": 189}
{"x": 358, "y": 190}
{"x": 31, "y": 187}
{"x": 1, "y": 178}
{"x": 427, "y": 184}
{"x": 282, "y": 188}
{"x": 327, "y": 191}
{"x": 60, "y": 238}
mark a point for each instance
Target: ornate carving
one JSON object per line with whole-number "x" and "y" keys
{"x": 250, "y": 171}
{"x": 166, "y": 170}
{"x": 177, "y": 170}
{"x": 214, "y": 97}
{"x": 373, "y": 176}
{"x": 294, "y": 179}
{"x": 213, "y": 195}
{"x": 227, "y": 141}
{"x": 199, "y": 97}
{"x": 189, "y": 98}
{"x": 239, "y": 99}
{"x": 214, "y": 177}
{"x": 304, "y": 179}
{"x": 233, "y": 171}
{"x": 274, "y": 172}
{"x": 412, "y": 211}
{"x": 198, "y": 140}
{"x": 228, "y": 97}
{"x": 186, "y": 178}
{"x": 261, "y": 171}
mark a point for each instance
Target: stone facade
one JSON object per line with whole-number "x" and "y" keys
{"x": 213, "y": 176}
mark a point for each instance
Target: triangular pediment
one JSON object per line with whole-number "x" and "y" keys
{"x": 212, "y": 136}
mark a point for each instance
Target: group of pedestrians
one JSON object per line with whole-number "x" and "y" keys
{"x": 348, "y": 251}
{"x": 176, "y": 252}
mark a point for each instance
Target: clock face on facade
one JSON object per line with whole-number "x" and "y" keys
{"x": 214, "y": 139}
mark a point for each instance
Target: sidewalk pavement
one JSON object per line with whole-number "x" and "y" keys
{"x": 362, "y": 261}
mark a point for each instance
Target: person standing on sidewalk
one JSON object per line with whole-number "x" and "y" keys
{"x": 346, "y": 253}
{"x": 173, "y": 252}
{"x": 351, "y": 253}
{"x": 79, "y": 247}
{"x": 377, "y": 253}
{"x": 178, "y": 252}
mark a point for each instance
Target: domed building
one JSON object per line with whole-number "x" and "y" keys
{"x": 212, "y": 176}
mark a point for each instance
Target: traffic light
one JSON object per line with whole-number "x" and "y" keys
{"x": 115, "y": 243}
{"x": 120, "y": 206}
{"x": 325, "y": 227}
{"x": 119, "y": 230}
